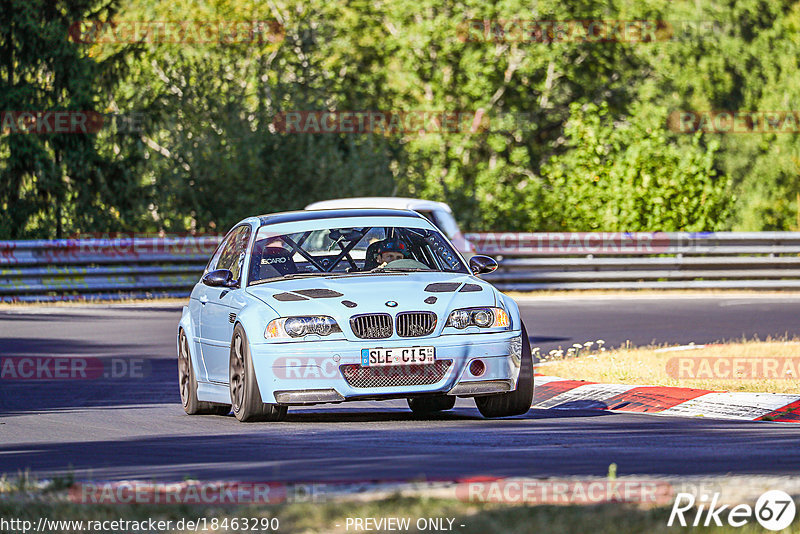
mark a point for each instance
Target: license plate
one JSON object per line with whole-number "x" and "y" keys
{"x": 397, "y": 356}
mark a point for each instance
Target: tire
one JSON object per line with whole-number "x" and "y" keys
{"x": 427, "y": 405}
{"x": 187, "y": 383}
{"x": 516, "y": 402}
{"x": 245, "y": 396}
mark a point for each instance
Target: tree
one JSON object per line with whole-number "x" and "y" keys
{"x": 213, "y": 152}
{"x": 627, "y": 174}
{"x": 54, "y": 184}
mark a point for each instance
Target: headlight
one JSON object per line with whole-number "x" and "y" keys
{"x": 293, "y": 327}
{"x": 480, "y": 317}
{"x": 459, "y": 319}
{"x": 483, "y": 318}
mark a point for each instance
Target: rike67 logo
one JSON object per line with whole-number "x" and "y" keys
{"x": 774, "y": 510}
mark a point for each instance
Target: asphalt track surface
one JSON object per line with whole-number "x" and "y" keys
{"x": 134, "y": 428}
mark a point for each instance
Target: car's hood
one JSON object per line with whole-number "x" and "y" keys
{"x": 371, "y": 292}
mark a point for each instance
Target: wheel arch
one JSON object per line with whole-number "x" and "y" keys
{"x": 185, "y": 324}
{"x": 254, "y": 316}
{"x": 512, "y": 308}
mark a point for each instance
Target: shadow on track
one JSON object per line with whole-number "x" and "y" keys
{"x": 373, "y": 444}
{"x": 18, "y": 346}
{"x": 155, "y": 382}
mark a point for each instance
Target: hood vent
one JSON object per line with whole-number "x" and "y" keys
{"x": 305, "y": 294}
{"x": 442, "y": 287}
{"x": 470, "y": 288}
{"x": 288, "y": 297}
{"x": 319, "y": 293}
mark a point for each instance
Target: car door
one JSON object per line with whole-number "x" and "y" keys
{"x": 197, "y": 301}
{"x": 195, "y": 310}
{"x": 220, "y": 305}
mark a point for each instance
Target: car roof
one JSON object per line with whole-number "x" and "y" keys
{"x": 378, "y": 202}
{"x": 314, "y": 215}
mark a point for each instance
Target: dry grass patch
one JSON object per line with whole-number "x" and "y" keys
{"x": 665, "y": 292}
{"x": 754, "y": 366}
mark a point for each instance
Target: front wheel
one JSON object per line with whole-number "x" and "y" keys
{"x": 187, "y": 382}
{"x": 516, "y": 402}
{"x": 245, "y": 396}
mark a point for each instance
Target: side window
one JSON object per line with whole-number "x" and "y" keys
{"x": 232, "y": 253}
{"x": 212, "y": 263}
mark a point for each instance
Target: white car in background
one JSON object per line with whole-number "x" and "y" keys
{"x": 438, "y": 213}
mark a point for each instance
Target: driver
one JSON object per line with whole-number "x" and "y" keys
{"x": 391, "y": 250}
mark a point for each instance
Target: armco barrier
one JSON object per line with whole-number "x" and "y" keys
{"x": 619, "y": 260}
{"x": 142, "y": 267}
{"x": 102, "y": 269}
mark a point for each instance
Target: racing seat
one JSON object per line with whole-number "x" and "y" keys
{"x": 371, "y": 257}
{"x": 271, "y": 262}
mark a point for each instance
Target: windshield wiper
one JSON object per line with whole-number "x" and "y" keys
{"x": 400, "y": 270}
{"x": 288, "y": 277}
{"x": 304, "y": 275}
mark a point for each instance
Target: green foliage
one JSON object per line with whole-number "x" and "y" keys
{"x": 588, "y": 148}
{"x": 625, "y": 174}
{"x": 213, "y": 149}
{"x": 52, "y": 185}
{"x": 746, "y": 57}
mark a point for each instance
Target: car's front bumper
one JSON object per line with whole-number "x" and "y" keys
{"x": 312, "y": 372}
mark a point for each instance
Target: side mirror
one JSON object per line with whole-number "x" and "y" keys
{"x": 482, "y": 264}
{"x": 220, "y": 278}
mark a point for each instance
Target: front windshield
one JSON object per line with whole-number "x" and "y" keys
{"x": 339, "y": 251}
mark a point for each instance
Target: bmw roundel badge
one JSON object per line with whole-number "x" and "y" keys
{"x": 391, "y": 303}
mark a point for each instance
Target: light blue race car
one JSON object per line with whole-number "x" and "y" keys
{"x": 327, "y": 306}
